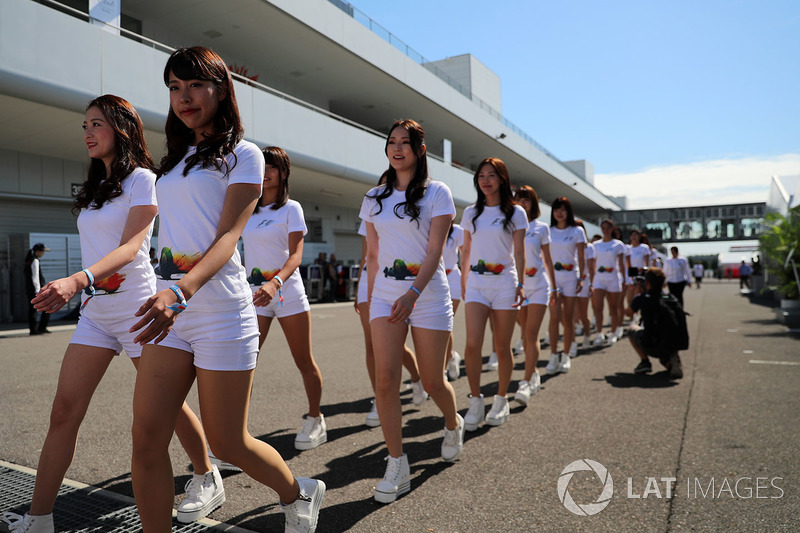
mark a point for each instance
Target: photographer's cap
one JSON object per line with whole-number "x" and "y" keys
{"x": 40, "y": 247}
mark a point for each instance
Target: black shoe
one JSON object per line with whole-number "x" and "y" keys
{"x": 643, "y": 367}
{"x": 36, "y": 332}
{"x": 675, "y": 367}
{"x": 44, "y": 331}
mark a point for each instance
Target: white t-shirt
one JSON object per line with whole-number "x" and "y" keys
{"x": 606, "y": 257}
{"x": 640, "y": 255}
{"x": 190, "y": 210}
{"x": 589, "y": 253}
{"x": 403, "y": 243}
{"x": 491, "y": 257}
{"x": 100, "y": 234}
{"x": 538, "y": 234}
{"x": 676, "y": 269}
{"x": 564, "y": 247}
{"x": 451, "y": 246}
{"x": 266, "y": 241}
{"x": 698, "y": 270}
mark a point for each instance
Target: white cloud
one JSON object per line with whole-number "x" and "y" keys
{"x": 719, "y": 181}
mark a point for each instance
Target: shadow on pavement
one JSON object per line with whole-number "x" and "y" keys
{"x": 625, "y": 380}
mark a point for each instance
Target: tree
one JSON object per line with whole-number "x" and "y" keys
{"x": 782, "y": 237}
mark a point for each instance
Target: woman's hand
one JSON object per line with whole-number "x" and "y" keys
{"x": 56, "y": 294}
{"x": 265, "y": 293}
{"x": 402, "y": 307}
{"x": 156, "y": 316}
{"x": 519, "y": 296}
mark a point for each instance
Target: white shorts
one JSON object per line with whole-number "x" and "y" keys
{"x": 111, "y": 333}
{"x": 501, "y": 298}
{"x": 454, "y": 280}
{"x": 362, "y": 289}
{"x": 226, "y": 340}
{"x": 567, "y": 282}
{"x": 608, "y": 284}
{"x": 537, "y": 290}
{"x": 295, "y": 301}
{"x": 427, "y": 314}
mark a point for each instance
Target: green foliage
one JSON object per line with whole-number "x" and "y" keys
{"x": 782, "y": 237}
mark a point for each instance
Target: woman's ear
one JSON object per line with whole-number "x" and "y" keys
{"x": 423, "y": 149}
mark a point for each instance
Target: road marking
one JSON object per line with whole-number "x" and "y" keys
{"x": 787, "y": 363}
{"x": 733, "y": 330}
{"x": 748, "y": 351}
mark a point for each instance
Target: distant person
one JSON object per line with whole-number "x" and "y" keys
{"x": 698, "y": 272}
{"x": 678, "y": 274}
{"x": 638, "y": 258}
{"x": 745, "y": 271}
{"x": 34, "y": 281}
{"x": 664, "y": 326}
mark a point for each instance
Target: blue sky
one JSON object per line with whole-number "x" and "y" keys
{"x": 646, "y": 91}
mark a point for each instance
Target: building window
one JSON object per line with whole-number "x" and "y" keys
{"x": 314, "y": 226}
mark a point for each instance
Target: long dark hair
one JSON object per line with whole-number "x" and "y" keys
{"x": 130, "y": 152}
{"x": 559, "y": 202}
{"x": 528, "y": 192}
{"x": 201, "y": 63}
{"x": 419, "y": 182}
{"x": 278, "y": 158}
{"x": 506, "y": 196}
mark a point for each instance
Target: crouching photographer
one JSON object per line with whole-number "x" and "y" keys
{"x": 663, "y": 331}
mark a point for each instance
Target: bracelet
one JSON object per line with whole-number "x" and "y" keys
{"x": 520, "y": 285}
{"x": 90, "y": 289}
{"x": 181, "y": 305}
{"x": 280, "y": 281}
{"x": 413, "y": 288}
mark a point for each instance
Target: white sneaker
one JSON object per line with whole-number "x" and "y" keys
{"x": 545, "y": 342}
{"x": 579, "y": 330}
{"x": 523, "y": 393}
{"x": 587, "y": 341}
{"x": 492, "y": 364}
{"x": 419, "y": 395}
{"x": 536, "y": 383}
{"x": 520, "y": 348}
{"x": 302, "y": 514}
{"x": 396, "y": 481}
{"x": 498, "y": 415}
{"x": 454, "y": 366}
{"x": 599, "y": 340}
{"x": 453, "y": 441}
{"x": 475, "y": 413}
{"x": 612, "y": 339}
{"x": 619, "y": 332}
{"x": 573, "y": 350}
{"x": 565, "y": 363}
{"x": 373, "y": 420}
{"x": 222, "y": 465}
{"x": 29, "y": 524}
{"x": 552, "y": 366}
{"x": 204, "y": 493}
{"x": 313, "y": 433}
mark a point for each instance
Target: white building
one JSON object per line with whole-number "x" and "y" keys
{"x": 329, "y": 82}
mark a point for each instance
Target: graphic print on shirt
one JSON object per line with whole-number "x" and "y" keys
{"x": 109, "y": 285}
{"x": 176, "y": 263}
{"x": 401, "y": 271}
{"x": 564, "y": 266}
{"x": 260, "y": 277}
{"x": 530, "y": 272}
{"x": 482, "y": 267}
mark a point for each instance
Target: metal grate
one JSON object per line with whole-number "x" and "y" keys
{"x": 77, "y": 510}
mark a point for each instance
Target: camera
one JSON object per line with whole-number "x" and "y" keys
{"x": 638, "y": 279}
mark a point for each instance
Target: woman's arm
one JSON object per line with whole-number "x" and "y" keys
{"x": 267, "y": 291}
{"x": 581, "y": 264}
{"x": 371, "y": 258}
{"x": 56, "y": 294}
{"x": 240, "y": 200}
{"x": 466, "y": 248}
{"x": 437, "y": 236}
{"x": 361, "y": 263}
{"x": 519, "y": 263}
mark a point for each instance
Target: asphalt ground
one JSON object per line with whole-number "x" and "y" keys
{"x": 727, "y": 433}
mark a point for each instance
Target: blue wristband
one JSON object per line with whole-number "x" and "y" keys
{"x": 181, "y": 305}
{"x": 90, "y": 289}
{"x": 413, "y": 288}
